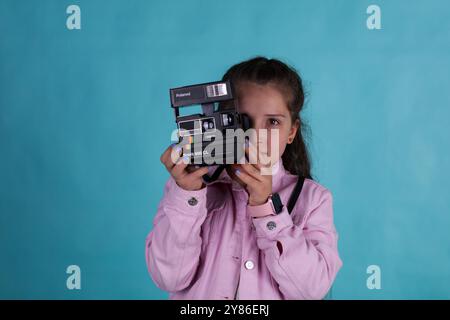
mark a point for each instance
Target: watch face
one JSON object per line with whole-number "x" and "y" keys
{"x": 277, "y": 205}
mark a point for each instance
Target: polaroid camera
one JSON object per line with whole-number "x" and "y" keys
{"x": 205, "y": 137}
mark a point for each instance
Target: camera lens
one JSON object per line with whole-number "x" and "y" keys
{"x": 227, "y": 119}
{"x": 208, "y": 124}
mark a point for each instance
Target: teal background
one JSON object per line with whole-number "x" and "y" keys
{"x": 84, "y": 117}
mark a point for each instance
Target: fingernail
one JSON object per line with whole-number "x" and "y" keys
{"x": 238, "y": 172}
{"x": 176, "y": 148}
{"x": 197, "y": 166}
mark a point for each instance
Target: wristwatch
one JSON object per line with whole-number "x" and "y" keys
{"x": 273, "y": 206}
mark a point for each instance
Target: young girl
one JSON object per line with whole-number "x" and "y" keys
{"x": 222, "y": 240}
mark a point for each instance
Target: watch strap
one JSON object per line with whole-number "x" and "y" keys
{"x": 273, "y": 206}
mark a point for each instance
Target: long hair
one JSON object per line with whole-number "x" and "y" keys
{"x": 260, "y": 70}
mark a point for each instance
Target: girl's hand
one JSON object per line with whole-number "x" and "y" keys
{"x": 258, "y": 186}
{"x": 186, "y": 177}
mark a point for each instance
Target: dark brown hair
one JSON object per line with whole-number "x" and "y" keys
{"x": 261, "y": 70}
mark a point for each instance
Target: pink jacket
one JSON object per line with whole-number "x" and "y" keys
{"x": 204, "y": 245}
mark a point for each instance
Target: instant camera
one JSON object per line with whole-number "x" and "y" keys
{"x": 206, "y": 137}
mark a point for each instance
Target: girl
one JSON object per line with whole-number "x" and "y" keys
{"x": 222, "y": 240}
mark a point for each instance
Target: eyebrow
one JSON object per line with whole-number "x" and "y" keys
{"x": 275, "y": 115}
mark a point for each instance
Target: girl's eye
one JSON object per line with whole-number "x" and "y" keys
{"x": 274, "y": 122}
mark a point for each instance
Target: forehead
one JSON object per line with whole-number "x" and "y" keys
{"x": 256, "y": 98}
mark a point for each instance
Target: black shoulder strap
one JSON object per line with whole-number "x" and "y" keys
{"x": 295, "y": 193}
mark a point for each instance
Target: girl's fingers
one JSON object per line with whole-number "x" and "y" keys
{"x": 246, "y": 178}
{"x": 175, "y": 155}
{"x": 179, "y": 169}
{"x": 170, "y": 156}
{"x": 198, "y": 173}
{"x": 165, "y": 159}
{"x": 252, "y": 171}
{"x": 165, "y": 154}
{"x": 231, "y": 172}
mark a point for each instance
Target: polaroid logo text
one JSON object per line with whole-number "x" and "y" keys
{"x": 181, "y": 95}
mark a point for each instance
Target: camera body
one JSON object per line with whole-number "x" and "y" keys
{"x": 211, "y": 137}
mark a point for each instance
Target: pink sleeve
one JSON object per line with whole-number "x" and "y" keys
{"x": 303, "y": 259}
{"x": 173, "y": 246}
